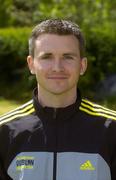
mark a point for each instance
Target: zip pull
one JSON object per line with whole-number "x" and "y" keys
{"x": 55, "y": 113}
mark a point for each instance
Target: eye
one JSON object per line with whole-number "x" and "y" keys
{"x": 68, "y": 57}
{"x": 46, "y": 57}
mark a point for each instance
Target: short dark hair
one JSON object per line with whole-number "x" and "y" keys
{"x": 60, "y": 27}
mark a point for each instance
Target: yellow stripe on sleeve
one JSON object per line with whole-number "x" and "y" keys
{"x": 96, "y": 107}
{"x": 15, "y": 112}
{"x": 96, "y": 113}
{"x": 98, "y": 110}
{"x": 16, "y": 116}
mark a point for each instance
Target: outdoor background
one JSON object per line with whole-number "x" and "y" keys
{"x": 97, "y": 20}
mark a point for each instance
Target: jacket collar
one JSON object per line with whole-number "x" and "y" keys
{"x": 51, "y": 114}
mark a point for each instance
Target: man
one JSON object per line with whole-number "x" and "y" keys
{"x": 58, "y": 135}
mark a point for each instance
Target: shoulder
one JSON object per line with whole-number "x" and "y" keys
{"x": 94, "y": 109}
{"x": 21, "y": 111}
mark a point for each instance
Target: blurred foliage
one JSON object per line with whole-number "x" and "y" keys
{"x": 13, "y": 52}
{"x": 101, "y": 54}
{"x": 97, "y": 20}
{"x": 85, "y": 12}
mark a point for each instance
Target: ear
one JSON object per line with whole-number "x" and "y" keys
{"x": 30, "y": 62}
{"x": 83, "y": 65}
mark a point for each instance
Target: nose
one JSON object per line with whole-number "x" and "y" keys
{"x": 58, "y": 65}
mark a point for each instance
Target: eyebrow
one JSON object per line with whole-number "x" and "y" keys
{"x": 71, "y": 54}
{"x": 64, "y": 54}
{"x": 44, "y": 54}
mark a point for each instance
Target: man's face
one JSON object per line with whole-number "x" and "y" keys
{"x": 57, "y": 63}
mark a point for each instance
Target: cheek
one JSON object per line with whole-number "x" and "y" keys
{"x": 41, "y": 68}
{"x": 74, "y": 69}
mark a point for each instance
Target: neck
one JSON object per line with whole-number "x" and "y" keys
{"x": 56, "y": 100}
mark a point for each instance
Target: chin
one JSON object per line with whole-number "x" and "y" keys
{"x": 58, "y": 92}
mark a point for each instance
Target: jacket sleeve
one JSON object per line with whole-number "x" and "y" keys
{"x": 113, "y": 158}
{"x": 3, "y": 151}
{"x": 113, "y": 167}
{"x": 3, "y": 175}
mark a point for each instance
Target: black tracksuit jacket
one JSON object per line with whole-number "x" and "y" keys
{"x": 77, "y": 142}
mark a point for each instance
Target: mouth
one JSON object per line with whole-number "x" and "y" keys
{"x": 57, "y": 77}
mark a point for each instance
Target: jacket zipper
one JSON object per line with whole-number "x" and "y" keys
{"x": 55, "y": 153}
{"x": 54, "y": 114}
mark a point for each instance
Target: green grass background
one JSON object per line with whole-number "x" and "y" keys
{"x": 7, "y": 105}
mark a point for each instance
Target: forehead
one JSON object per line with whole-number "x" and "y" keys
{"x": 59, "y": 42}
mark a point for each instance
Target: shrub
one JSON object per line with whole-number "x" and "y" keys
{"x": 13, "y": 52}
{"x": 101, "y": 55}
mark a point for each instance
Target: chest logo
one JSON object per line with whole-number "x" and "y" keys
{"x": 87, "y": 166}
{"x": 24, "y": 162}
